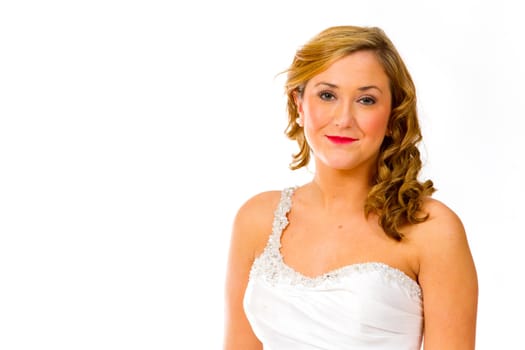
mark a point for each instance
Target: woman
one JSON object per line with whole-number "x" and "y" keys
{"x": 361, "y": 257}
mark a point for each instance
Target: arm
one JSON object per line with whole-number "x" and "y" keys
{"x": 251, "y": 228}
{"x": 448, "y": 279}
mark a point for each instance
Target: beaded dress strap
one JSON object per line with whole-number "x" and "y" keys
{"x": 280, "y": 220}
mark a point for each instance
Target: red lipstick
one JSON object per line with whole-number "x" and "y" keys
{"x": 340, "y": 140}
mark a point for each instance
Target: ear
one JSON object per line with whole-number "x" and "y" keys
{"x": 298, "y": 102}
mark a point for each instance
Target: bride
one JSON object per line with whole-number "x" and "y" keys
{"x": 361, "y": 257}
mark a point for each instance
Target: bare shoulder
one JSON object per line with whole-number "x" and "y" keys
{"x": 253, "y": 221}
{"x": 258, "y": 210}
{"x": 448, "y": 278}
{"x": 442, "y": 227}
{"x": 441, "y": 237}
{"x": 265, "y": 201}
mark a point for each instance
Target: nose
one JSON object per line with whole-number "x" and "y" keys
{"x": 344, "y": 117}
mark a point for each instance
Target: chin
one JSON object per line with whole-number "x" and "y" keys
{"x": 341, "y": 165}
{"x": 345, "y": 164}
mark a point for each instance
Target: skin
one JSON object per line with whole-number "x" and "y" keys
{"x": 352, "y": 98}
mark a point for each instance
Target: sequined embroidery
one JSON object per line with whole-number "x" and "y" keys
{"x": 271, "y": 267}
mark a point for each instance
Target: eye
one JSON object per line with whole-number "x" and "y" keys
{"x": 326, "y": 96}
{"x": 367, "y": 100}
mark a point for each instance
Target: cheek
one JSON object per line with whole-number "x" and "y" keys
{"x": 375, "y": 124}
{"x": 318, "y": 115}
{"x": 315, "y": 119}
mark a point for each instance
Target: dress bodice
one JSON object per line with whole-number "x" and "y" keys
{"x": 368, "y": 305}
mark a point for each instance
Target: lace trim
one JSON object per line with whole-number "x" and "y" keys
{"x": 271, "y": 267}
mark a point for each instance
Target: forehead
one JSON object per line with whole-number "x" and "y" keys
{"x": 361, "y": 68}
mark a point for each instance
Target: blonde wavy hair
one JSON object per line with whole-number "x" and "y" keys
{"x": 396, "y": 195}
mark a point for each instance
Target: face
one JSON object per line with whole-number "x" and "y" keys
{"x": 345, "y": 110}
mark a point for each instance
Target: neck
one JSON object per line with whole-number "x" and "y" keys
{"x": 341, "y": 190}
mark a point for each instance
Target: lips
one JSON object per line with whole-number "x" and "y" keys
{"x": 341, "y": 140}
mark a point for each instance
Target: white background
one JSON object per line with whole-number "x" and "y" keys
{"x": 131, "y": 131}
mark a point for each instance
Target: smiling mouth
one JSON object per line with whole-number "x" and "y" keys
{"x": 341, "y": 140}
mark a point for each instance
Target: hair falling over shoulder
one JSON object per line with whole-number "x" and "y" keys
{"x": 396, "y": 195}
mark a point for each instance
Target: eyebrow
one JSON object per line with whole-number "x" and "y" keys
{"x": 362, "y": 88}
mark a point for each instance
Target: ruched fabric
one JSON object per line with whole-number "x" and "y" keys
{"x": 360, "y": 306}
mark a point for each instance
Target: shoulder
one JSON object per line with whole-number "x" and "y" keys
{"x": 441, "y": 242}
{"x": 251, "y": 229}
{"x": 442, "y": 225}
{"x": 448, "y": 278}
{"x": 253, "y": 220}
{"x": 258, "y": 207}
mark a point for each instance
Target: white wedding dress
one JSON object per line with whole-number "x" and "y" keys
{"x": 361, "y": 306}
